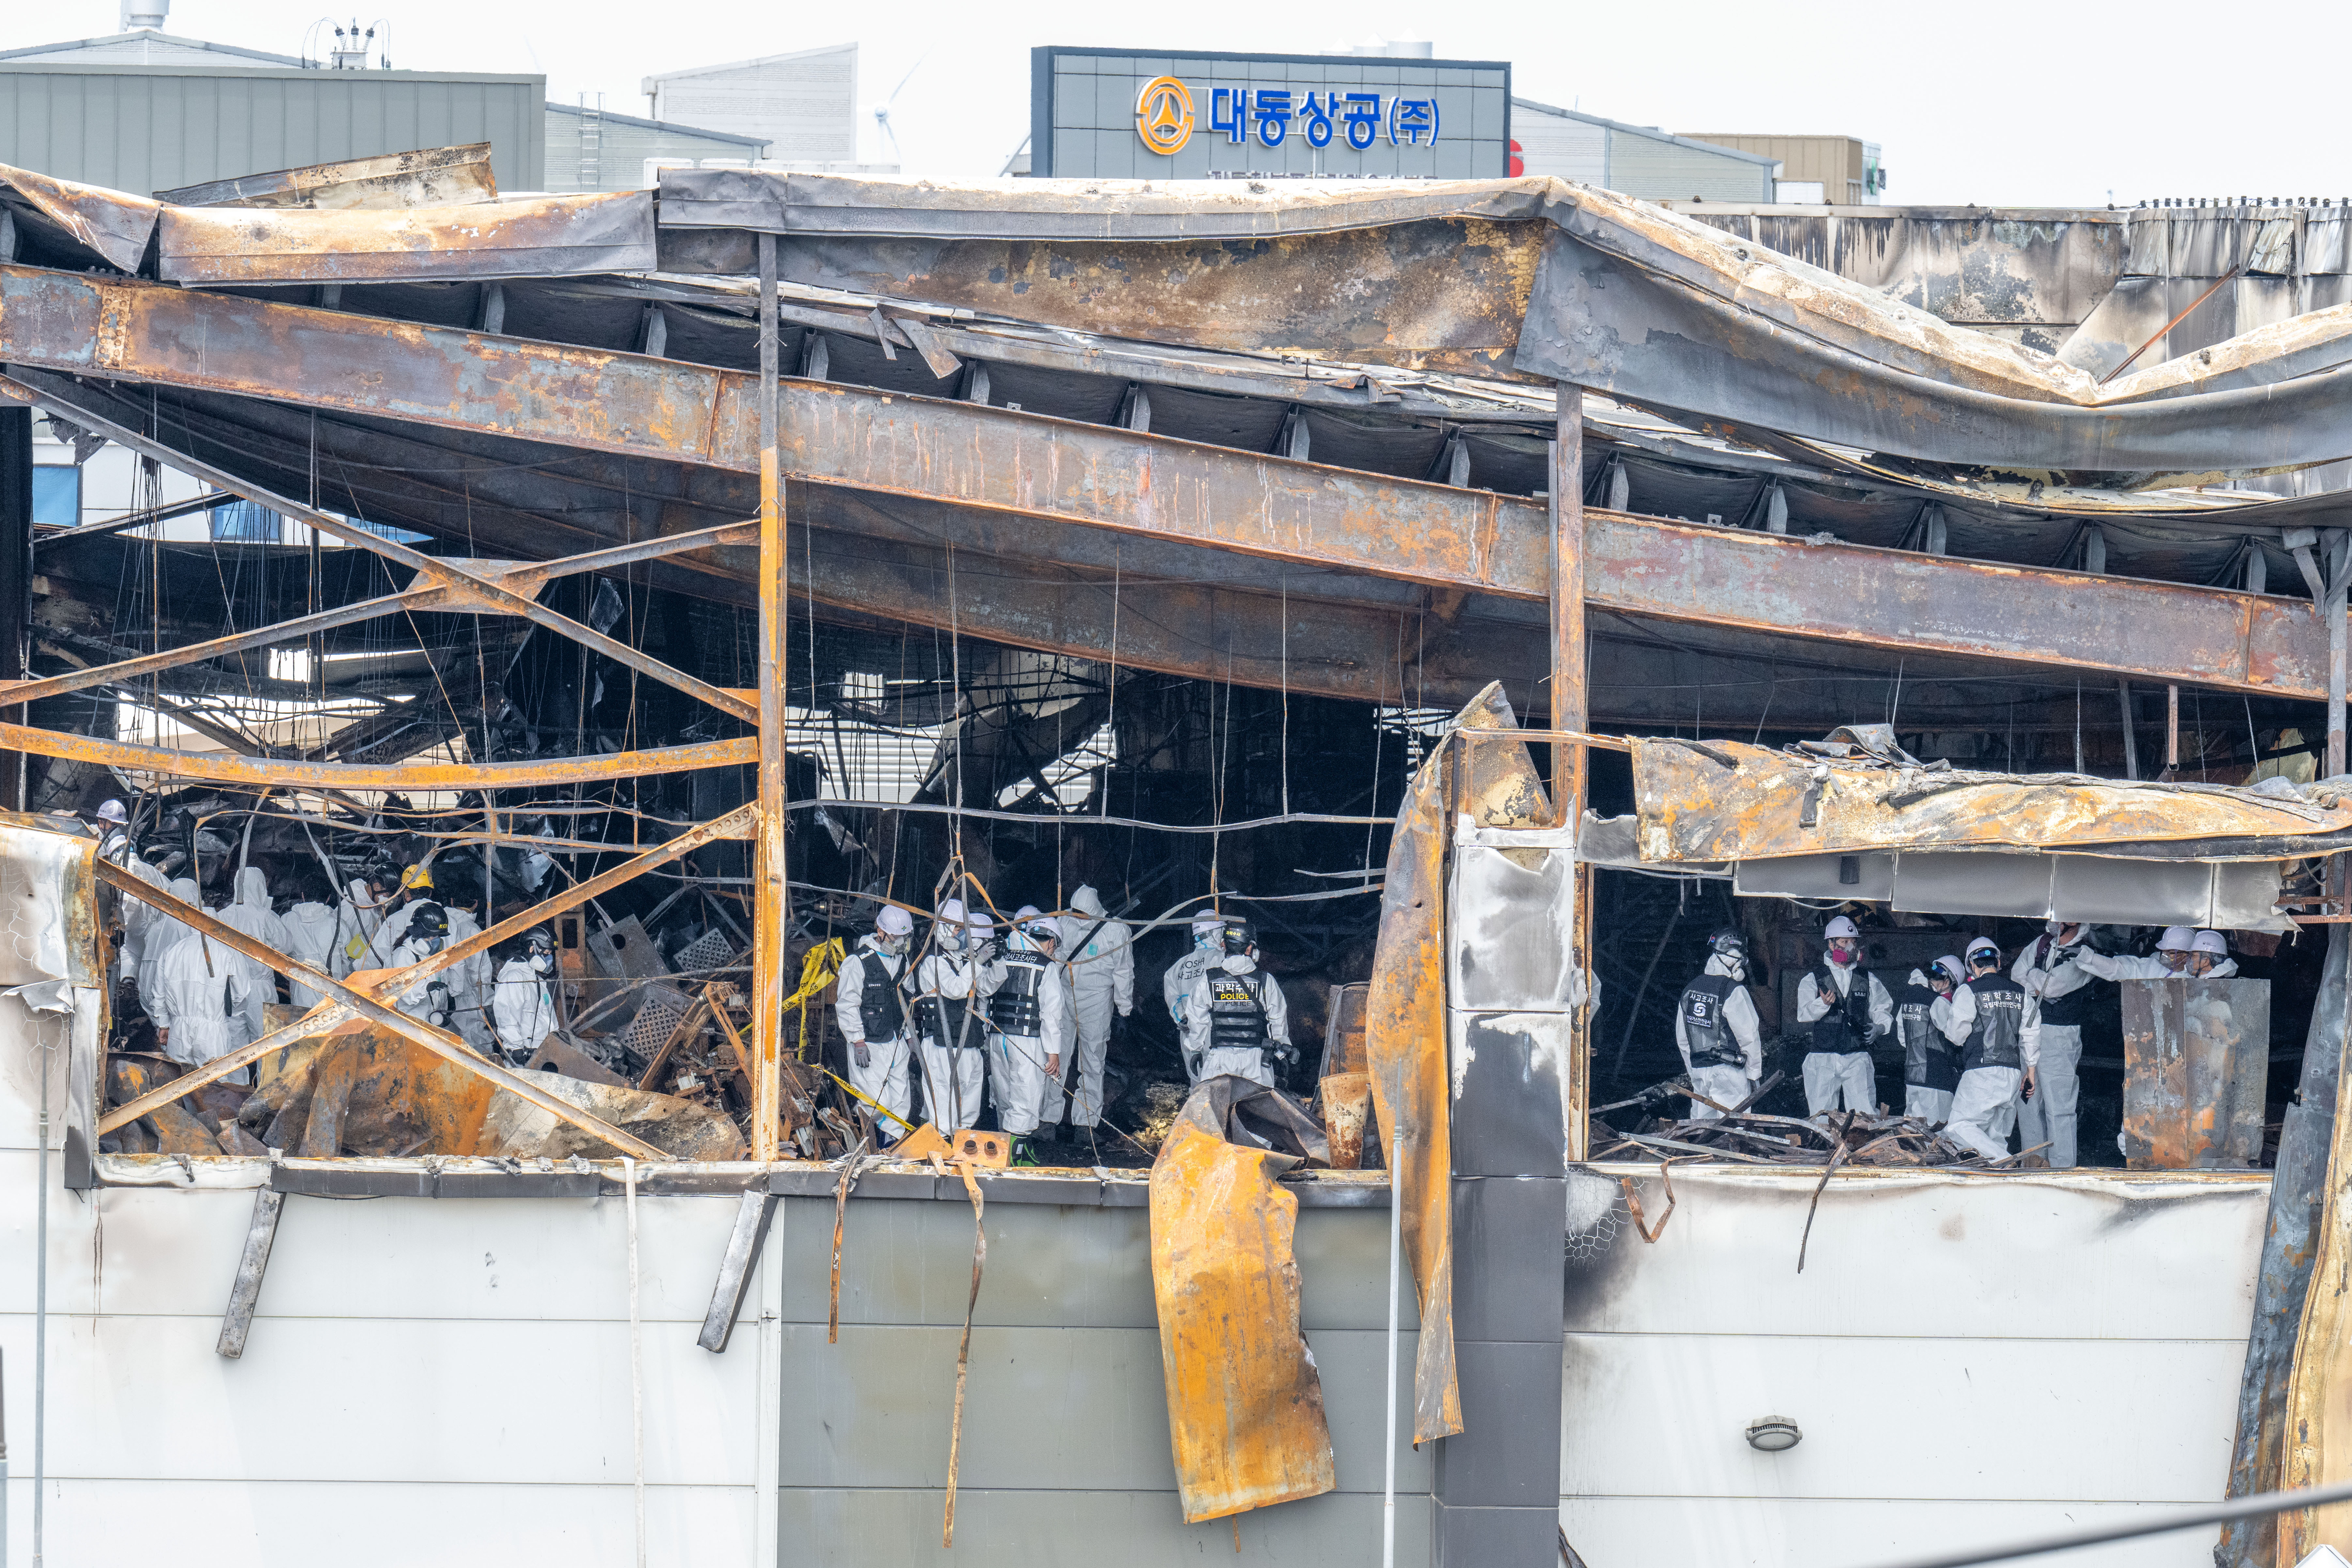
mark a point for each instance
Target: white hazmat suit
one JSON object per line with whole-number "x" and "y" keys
{"x": 949, "y": 1021}
{"x": 251, "y": 913}
{"x": 1727, "y": 1083}
{"x": 1099, "y": 953}
{"x": 197, "y": 985}
{"x": 521, "y": 1011}
{"x": 1031, "y": 1010}
{"x": 867, "y": 991}
{"x": 163, "y": 933}
{"x": 1224, "y": 989}
{"x": 310, "y": 930}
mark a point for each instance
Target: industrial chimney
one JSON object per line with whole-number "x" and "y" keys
{"x": 144, "y": 14}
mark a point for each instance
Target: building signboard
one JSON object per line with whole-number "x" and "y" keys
{"x": 1116, "y": 114}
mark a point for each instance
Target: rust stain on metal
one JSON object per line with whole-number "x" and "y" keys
{"x": 532, "y": 236}
{"x": 2196, "y": 1070}
{"x": 1000, "y": 460}
{"x": 1244, "y": 1404}
{"x": 1727, "y": 801}
{"x": 1405, "y": 1024}
{"x": 273, "y": 770}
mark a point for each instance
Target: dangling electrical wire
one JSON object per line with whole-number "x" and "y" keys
{"x": 1110, "y": 721}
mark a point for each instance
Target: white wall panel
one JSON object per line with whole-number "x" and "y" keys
{"x": 1637, "y": 1532}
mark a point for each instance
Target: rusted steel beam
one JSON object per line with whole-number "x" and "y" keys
{"x": 288, "y": 772}
{"x": 439, "y": 1041}
{"x": 480, "y": 592}
{"x": 519, "y": 576}
{"x": 772, "y": 892}
{"x": 392, "y": 983}
{"x": 997, "y": 460}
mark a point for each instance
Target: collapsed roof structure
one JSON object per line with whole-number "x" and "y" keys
{"x": 966, "y": 468}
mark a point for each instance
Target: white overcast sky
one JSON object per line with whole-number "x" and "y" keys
{"x": 2001, "y": 103}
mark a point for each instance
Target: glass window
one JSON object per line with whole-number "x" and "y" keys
{"x": 57, "y": 496}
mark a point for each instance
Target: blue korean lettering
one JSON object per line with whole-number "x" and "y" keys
{"x": 1229, "y": 112}
{"x": 1412, "y": 121}
{"x": 1363, "y": 117}
{"x": 1273, "y": 115}
{"x": 1316, "y": 119}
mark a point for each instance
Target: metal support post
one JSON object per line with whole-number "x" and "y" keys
{"x": 2131, "y": 741}
{"x": 1570, "y": 711}
{"x": 772, "y": 909}
{"x": 2171, "y": 730}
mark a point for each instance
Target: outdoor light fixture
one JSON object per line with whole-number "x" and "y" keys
{"x": 1773, "y": 1435}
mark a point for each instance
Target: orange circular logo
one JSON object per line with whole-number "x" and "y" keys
{"x": 1163, "y": 115}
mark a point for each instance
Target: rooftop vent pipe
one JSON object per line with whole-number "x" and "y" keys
{"x": 144, "y": 14}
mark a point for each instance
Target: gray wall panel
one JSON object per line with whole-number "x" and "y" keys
{"x": 910, "y": 1262}
{"x": 158, "y": 128}
{"x": 838, "y": 1528}
{"x": 1085, "y": 1408}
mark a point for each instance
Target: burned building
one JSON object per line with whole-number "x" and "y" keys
{"x": 1492, "y": 590}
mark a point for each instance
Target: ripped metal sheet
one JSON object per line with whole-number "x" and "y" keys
{"x": 1652, "y": 308}
{"x": 86, "y": 221}
{"x": 1725, "y": 800}
{"x": 2095, "y": 890}
{"x": 2196, "y": 1073}
{"x": 431, "y": 177}
{"x": 1245, "y": 1402}
{"x": 539, "y": 237}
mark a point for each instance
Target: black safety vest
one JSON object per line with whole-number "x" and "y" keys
{"x": 1710, "y": 1039}
{"x": 1014, "y": 1008}
{"x": 1929, "y": 1060}
{"x": 2071, "y": 1010}
{"x": 880, "y": 1010}
{"x": 2000, "y": 1020}
{"x": 1845, "y": 1028}
{"x": 947, "y": 1022}
{"x": 1237, "y": 1011}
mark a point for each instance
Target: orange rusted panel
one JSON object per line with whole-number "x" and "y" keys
{"x": 1347, "y": 1100}
{"x": 1244, "y": 1403}
{"x": 2196, "y": 1073}
{"x": 1727, "y": 801}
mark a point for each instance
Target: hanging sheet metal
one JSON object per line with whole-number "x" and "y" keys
{"x": 432, "y": 177}
{"x": 1725, "y": 800}
{"x": 2196, "y": 1072}
{"x": 537, "y": 236}
{"x": 1245, "y": 1402}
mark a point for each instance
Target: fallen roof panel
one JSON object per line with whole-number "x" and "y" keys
{"x": 537, "y": 236}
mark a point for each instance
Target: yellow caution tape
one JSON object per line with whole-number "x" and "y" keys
{"x": 817, "y": 969}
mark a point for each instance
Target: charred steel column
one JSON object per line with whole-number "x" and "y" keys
{"x": 772, "y": 908}
{"x": 16, "y": 578}
{"x": 1571, "y": 708}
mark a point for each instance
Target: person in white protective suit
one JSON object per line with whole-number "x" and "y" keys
{"x": 471, "y": 980}
{"x": 2058, "y": 998}
{"x": 952, "y": 987}
{"x": 1717, "y": 1030}
{"x": 137, "y": 918}
{"x": 870, "y": 1006}
{"x": 2168, "y": 962}
{"x": 522, "y": 1009}
{"x": 433, "y": 999}
{"x": 310, "y": 930}
{"x": 1176, "y": 985}
{"x": 250, "y": 912}
{"x": 1099, "y": 954}
{"x": 416, "y": 892}
{"x": 1030, "y": 1009}
{"x": 358, "y": 917}
{"x": 1847, "y": 1008}
{"x": 1987, "y": 1019}
{"x": 1237, "y": 1020}
{"x": 198, "y": 986}
{"x": 164, "y": 933}
{"x": 1931, "y": 1058}
{"x": 2209, "y": 957}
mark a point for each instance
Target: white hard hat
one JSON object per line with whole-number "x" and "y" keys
{"x": 1840, "y": 926}
{"x": 1954, "y": 970}
{"x": 951, "y": 912}
{"x": 111, "y": 811}
{"x": 1983, "y": 945}
{"x": 894, "y": 921}
{"x": 2211, "y": 942}
{"x": 1027, "y": 912}
{"x": 1207, "y": 920}
{"x": 2175, "y": 939}
{"x": 979, "y": 921}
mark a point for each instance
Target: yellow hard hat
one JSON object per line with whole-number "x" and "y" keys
{"x": 416, "y": 876}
